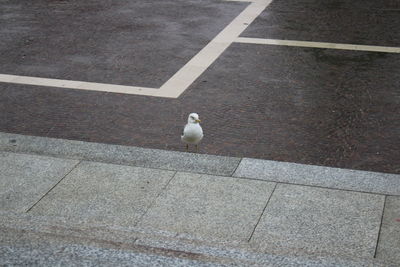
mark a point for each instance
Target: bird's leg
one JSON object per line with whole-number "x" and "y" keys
{"x": 187, "y": 147}
{"x": 197, "y": 148}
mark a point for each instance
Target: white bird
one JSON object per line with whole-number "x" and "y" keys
{"x": 192, "y": 133}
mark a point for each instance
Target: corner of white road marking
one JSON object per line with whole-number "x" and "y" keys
{"x": 181, "y": 80}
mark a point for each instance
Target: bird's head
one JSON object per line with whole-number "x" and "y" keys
{"x": 193, "y": 118}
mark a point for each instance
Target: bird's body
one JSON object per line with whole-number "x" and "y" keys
{"x": 192, "y": 133}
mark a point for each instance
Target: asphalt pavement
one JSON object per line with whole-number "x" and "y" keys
{"x": 329, "y": 107}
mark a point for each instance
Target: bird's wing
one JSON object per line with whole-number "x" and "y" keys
{"x": 183, "y": 131}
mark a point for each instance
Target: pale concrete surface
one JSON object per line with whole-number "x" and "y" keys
{"x": 249, "y": 258}
{"x": 389, "y": 240}
{"x": 29, "y": 248}
{"x": 104, "y": 193}
{"x": 48, "y": 240}
{"x": 187, "y": 212}
{"x": 320, "y": 221}
{"x": 77, "y": 255}
{"x": 24, "y": 179}
{"x": 285, "y": 172}
{"x": 127, "y": 155}
{"x": 209, "y": 207}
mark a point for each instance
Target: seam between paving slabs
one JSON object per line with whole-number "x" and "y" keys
{"x": 73, "y": 168}
{"x": 127, "y": 163}
{"x": 204, "y": 173}
{"x": 240, "y": 161}
{"x": 5, "y": 146}
{"x": 131, "y": 165}
{"x": 262, "y": 213}
{"x": 317, "y": 186}
{"x": 380, "y": 227}
{"x": 155, "y": 199}
{"x": 183, "y": 253}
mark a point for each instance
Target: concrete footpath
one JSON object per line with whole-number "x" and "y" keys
{"x": 76, "y": 203}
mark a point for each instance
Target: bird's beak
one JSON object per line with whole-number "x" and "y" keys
{"x": 198, "y": 120}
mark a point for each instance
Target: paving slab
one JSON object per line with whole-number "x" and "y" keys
{"x": 104, "y": 194}
{"x": 77, "y": 255}
{"x": 320, "y": 221}
{"x": 372, "y": 22}
{"x": 252, "y": 258}
{"x": 24, "y": 179}
{"x": 209, "y": 207}
{"x": 389, "y": 239}
{"x": 285, "y": 172}
{"x": 133, "y": 156}
{"x": 29, "y": 248}
{"x": 24, "y": 248}
{"x": 25, "y": 238}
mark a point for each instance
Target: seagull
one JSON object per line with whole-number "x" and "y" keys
{"x": 192, "y": 133}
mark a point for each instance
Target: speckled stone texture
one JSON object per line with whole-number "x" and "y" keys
{"x": 139, "y": 43}
{"x": 24, "y": 179}
{"x": 104, "y": 194}
{"x": 29, "y": 248}
{"x": 364, "y": 22}
{"x": 133, "y": 156}
{"x": 256, "y": 258}
{"x": 33, "y": 249}
{"x": 90, "y": 217}
{"x": 209, "y": 207}
{"x": 284, "y": 172}
{"x": 320, "y": 222}
{"x": 48, "y": 240}
{"x": 389, "y": 239}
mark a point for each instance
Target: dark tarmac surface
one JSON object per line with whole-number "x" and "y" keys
{"x": 316, "y": 106}
{"x": 336, "y": 21}
{"x": 139, "y": 43}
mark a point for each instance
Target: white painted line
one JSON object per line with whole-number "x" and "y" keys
{"x": 179, "y": 82}
{"x": 7, "y": 78}
{"x": 78, "y": 85}
{"x": 370, "y": 48}
{"x": 45, "y": 82}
